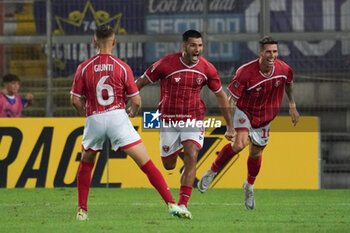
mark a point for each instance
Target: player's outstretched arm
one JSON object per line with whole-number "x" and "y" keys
{"x": 79, "y": 104}
{"x": 227, "y": 114}
{"x": 141, "y": 82}
{"x": 135, "y": 105}
{"x": 293, "y": 112}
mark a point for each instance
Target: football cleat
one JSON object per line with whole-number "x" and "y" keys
{"x": 205, "y": 181}
{"x": 82, "y": 215}
{"x": 249, "y": 200}
{"x": 186, "y": 214}
{"x": 176, "y": 210}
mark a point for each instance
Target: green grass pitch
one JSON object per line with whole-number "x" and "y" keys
{"x": 142, "y": 210}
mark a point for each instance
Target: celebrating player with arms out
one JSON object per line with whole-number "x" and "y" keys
{"x": 256, "y": 94}
{"x": 182, "y": 76}
{"x": 101, "y": 85}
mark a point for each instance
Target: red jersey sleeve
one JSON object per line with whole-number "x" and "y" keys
{"x": 290, "y": 75}
{"x": 77, "y": 87}
{"x": 214, "y": 82}
{"x": 131, "y": 88}
{"x": 237, "y": 85}
{"x": 154, "y": 72}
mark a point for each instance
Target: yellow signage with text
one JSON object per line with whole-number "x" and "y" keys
{"x": 45, "y": 152}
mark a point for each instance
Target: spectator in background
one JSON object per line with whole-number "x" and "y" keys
{"x": 11, "y": 103}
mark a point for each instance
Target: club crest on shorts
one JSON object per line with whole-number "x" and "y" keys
{"x": 241, "y": 120}
{"x": 166, "y": 149}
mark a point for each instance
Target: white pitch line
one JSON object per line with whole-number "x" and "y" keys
{"x": 158, "y": 204}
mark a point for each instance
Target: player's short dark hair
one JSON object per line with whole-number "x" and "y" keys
{"x": 266, "y": 40}
{"x": 191, "y": 34}
{"x": 104, "y": 31}
{"x": 10, "y": 78}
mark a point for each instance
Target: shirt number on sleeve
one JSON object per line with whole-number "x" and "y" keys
{"x": 101, "y": 85}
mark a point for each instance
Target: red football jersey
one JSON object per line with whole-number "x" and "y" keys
{"x": 105, "y": 81}
{"x": 259, "y": 96}
{"x": 181, "y": 84}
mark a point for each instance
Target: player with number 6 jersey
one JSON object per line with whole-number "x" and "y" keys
{"x": 101, "y": 86}
{"x": 106, "y": 79}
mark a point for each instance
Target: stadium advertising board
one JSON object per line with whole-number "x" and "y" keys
{"x": 157, "y": 17}
{"x": 45, "y": 152}
{"x": 82, "y": 18}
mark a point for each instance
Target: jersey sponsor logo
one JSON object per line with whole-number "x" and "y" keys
{"x": 199, "y": 80}
{"x": 177, "y": 79}
{"x": 166, "y": 149}
{"x": 151, "y": 120}
{"x": 241, "y": 120}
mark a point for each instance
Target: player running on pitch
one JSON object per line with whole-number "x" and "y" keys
{"x": 182, "y": 76}
{"x": 256, "y": 94}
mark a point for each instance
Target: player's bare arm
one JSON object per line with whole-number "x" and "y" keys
{"x": 227, "y": 113}
{"x": 293, "y": 112}
{"x": 141, "y": 82}
{"x": 232, "y": 103}
{"x": 79, "y": 104}
{"x": 135, "y": 106}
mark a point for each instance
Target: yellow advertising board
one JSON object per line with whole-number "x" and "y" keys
{"x": 45, "y": 152}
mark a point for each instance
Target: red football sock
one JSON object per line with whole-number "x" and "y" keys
{"x": 253, "y": 169}
{"x": 157, "y": 180}
{"x": 83, "y": 183}
{"x": 185, "y": 194}
{"x": 225, "y": 155}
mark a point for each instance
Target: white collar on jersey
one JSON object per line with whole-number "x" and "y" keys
{"x": 188, "y": 65}
{"x": 273, "y": 71}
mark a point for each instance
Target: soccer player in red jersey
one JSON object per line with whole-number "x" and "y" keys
{"x": 101, "y": 85}
{"x": 182, "y": 76}
{"x": 256, "y": 94}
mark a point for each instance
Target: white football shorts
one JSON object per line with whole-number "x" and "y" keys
{"x": 258, "y": 136}
{"x": 171, "y": 139}
{"x": 114, "y": 125}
